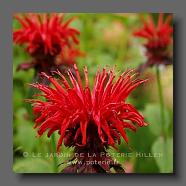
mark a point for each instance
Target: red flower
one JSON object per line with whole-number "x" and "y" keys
{"x": 44, "y": 34}
{"x": 91, "y": 120}
{"x": 69, "y": 55}
{"x": 159, "y": 38}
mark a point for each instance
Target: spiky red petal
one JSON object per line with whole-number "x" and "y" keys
{"x": 44, "y": 34}
{"x": 157, "y": 36}
{"x": 159, "y": 40}
{"x": 72, "y": 109}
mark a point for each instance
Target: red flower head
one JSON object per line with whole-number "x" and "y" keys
{"x": 44, "y": 36}
{"x": 159, "y": 38}
{"x": 88, "y": 120}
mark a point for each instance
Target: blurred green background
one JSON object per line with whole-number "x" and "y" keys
{"x": 107, "y": 40}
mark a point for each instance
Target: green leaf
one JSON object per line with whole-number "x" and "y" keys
{"x": 31, "y": 165}
{"x": 146, "y": 165}
{"x": 120, "y": 159}
{"x": 25, "y": 134}
{"x": 164, "y": 151}
{"x": 153, "y": 116}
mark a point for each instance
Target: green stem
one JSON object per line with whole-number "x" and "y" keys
{"x": 55, "y": 161}
{"x": 160, "y": 92}
{"x": 162, "y": 115}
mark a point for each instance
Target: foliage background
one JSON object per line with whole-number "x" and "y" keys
{"x": 107, "y": 40}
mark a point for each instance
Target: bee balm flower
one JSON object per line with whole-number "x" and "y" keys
{"x": 159, "y": 40}
{"x": 44, "y": 37}
{"x": 90, "y": 121}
